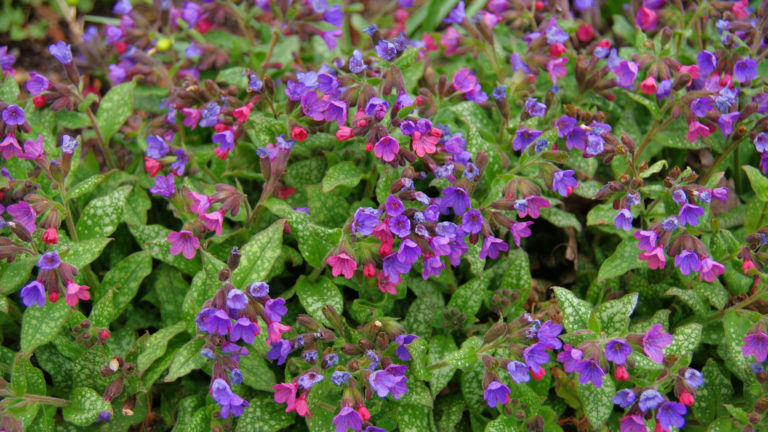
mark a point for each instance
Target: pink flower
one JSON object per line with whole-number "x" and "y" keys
{"x": 655, "y": 258}
{"x": 9, "y": 147}
{"x": 424, "y": 144}
{"x": 183, "y": 242}
{"x": 301, "y": 406}
{"x": 648, "y": 86}
{"x": 275, "y": 330}
{"x": 450, "y": 40}
{"x": 76, "y": 292}
{"x": 646, "y": 18}
{"x": 200, "y": 202}
{"x": 696, "y": 130}
{"x": 213, "y": 221}
{"x": 385, "y": 285}
{"x": 342, "y": 264}
{"x": 286, "y": 393}
{"x": 710, "y": 269}
{"x": 556, "y": 68}
{"x": 191, "y": 117}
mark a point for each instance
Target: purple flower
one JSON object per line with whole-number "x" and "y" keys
{"x": 570, "y": 357}
{"x": 524, "y": 137}
{"x": 745, "y": 70}
{"x": 590, "y": 371}
{"x": 535, "y": 108}
{"x": 623, "y": 220}
{"x": 671, "y": 414}
{"x": 313, "y": 106}
{"x": 340, "y": 378}
{"x": 499, "y": 93}
{"x": 670, "y": 223}
{"x": 218, "y": 322}
{"x": 701, "y": 106}
{"x": 456, "y": 16}
{"x": 209, "y": 114}
{"x": 309, "y": 379}
{"x": 183, "y": 242}
{"x": 402, "y": 346}
{"x": 164, "y": 185}
{"x": 6, "y": 60}
{"x": 472, "y": 221}
{"x": 496, "y": 393}
{"x": 62, "y": 52}
{"x": 330, "y": 38}
{"x": 393, "y": 268}
{"x": 356, "y": 64}
{"x": 9, "y": 147}
{"x": 664, "y": 90}
{"x": 726, "y": 122}
{"x": 647, "y": 239}
{"x": 409, "y": 252}
{"x": 761, "y": 142}
{"x": 548, "y": 333}
{"x": 563, "y": 182}
{"x": 393, "y": 206}
{"x": 693, "y": 378}
{"x": 432, "y": 267}
{"x": 632, "y": 423}
{"x": 456, "y": 199}
{"x": 386, "y": 49}
{"x": 365, "y": 220}
{"x": 624, "y": 398}
{"x": 492, "y": 246}
{"x": 14, "y": 115}
{"x": 707, "y": 62}
{"x": 654, "y": 342}
{"x": 33, "y": 293}
{"x": 689, "y": 214}
{"x": 535, "y": 356}
{"x": 69, "y": 144}
{"x": 518, "y": 371}
{"x": 236, "y": 299}
{"x": 23, "y": 215}
{"x": 650, "y": 400}
{"x": 710, "y": 269}
{"x": 347, "y": 419}
{"x": 49, "y": 261}
{"x": 229, "y": 401}
{"x": 376, "y": 108}
{"x": 334, "y": 16}
{"x": 156, "y": 147}
{"x": 464, "y": 81}
{"x": 37, "y": 83}
{"x": 400, "y": 226}
{"x": 279, "y": 351}
{"x": 389, "y": 381}
{"x": 756, "y": 344}
{"x": 617, "y": 351}
{"x": 386, "y": 149}
{"x": 688, "y": 261}
{"x": 275, "y": 308}
{"x": 626, "y": 73}
{"x": 244, "y": 329}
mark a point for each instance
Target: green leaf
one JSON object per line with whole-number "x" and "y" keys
{"x": 9, "y": 92}
{"x": 258, "y": 255}
{"x": 653, "y": 169}
{"x": 575, "y": 311}
{"x": 262, "y": 416}
{"x": 83, "y": 252}
{"x": 758, "y": 181}
{"x": 469, "y": 297}
{"x": 691, "y": 299}
{"x": 102, "y": 215}
{"x": 653, "y": 108}
{"x": 17, "y": 274}
{"x": 315, "y": 295}
{"x": 256, "y": 372}
{"x": 406, "y": 59}
{"x": 85, "y": 187}
{"x": 40, "y": 325}
{"x": 472, "y": 387}
{"x": 736, "y": 324}
{"x": 624, "y": 259}
{"x": 119, "y": 287}
{"x": 601, "y": 214}
{"x": 685, "y": 340}
{"x": 465, "y": 357}
{"x": 475, "y": 116}
{"x": 716, "y": 390}
{"x": 305, "y": 172}
{"x": 327, "y": 209}
{"x": 423, "y": 312}
{"x": 414, "y": 418}
{"x": 476, "y": 144}
{"x": 233, "y": 76}
{"x": 315, "y": 242}
{"x": 597, "y": 401}
{"x": 614, "y": 315}
{"x": 560, "y": 218}
{"x": 503, "y": 424}
{"x": 136, "y": 206}
{"x": 115, "y": 109}
{"x": 187, "y": 359}
{"x": 85, "y": 406}
{"x": 154, "y": 239}
{"x": 156, "y": 345}
{"x": 346, "y": 173}
{"x": 517, "y": 276}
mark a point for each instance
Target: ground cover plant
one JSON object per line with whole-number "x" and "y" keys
{"x": 501, "y": 215}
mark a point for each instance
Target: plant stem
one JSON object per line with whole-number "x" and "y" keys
{"x": 720, "y": 158}
{"x": 48, "y": 400}
{"x": 103, "y": 146}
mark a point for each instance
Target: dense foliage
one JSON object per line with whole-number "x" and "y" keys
{"x": 499, "y": 215}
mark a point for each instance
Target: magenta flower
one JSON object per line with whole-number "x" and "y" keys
{"x": 756, "y": 344}
{"x": 654, "y": 342}
{"x": 23, "y": 215}
{"x": 9, "y": 147}
{"x": 286, "y": 393}
{"x": 275, "y": 330}
{"x": 655, "y": 257}
{"x": 492, "y": 246}
{"x": 710, "y": 269}
{"x": 33, "y": 149}
{"x": 590, "y": 371}
{"x": 647, "y": 239}
{"x": 213, "y": 221}
{"x": 626, "y": 73}
{"x": 633, "y": 423}
{"x": 386, "y": 149}
{"x": 76, "y": 292}
{"x": 556, "y": 68}
{"x": 696, "y": 130}
{"x": 520, "y": 230}
{"x": 464, "y": 81}
{"x": 342, "y": 264}
{"x": 184, "y": 242}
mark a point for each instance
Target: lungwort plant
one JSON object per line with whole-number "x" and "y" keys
{"x": 322, "y": 215}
